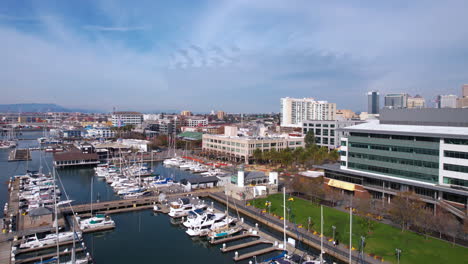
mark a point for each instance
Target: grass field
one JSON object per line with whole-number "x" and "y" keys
{"x": 382, "y": 240}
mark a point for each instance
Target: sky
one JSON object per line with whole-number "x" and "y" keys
{"x": 236, "y": 56}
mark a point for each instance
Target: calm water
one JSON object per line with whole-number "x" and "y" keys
{"x": 139, "y": 237}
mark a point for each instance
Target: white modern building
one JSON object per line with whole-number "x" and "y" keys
{"x": 327, "y": 132}
{"x": 100, "y": 132}
{"x": 448, "y": 101}
{"x": 194, "y": 122}
{"x": 127, "y": 118}
{"x": 294, "y": 111}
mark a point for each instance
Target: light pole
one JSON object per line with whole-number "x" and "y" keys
{"x": 334, "y": 228}
{"x": 398, "y": 252}
{"x": 362, "y": 247}
{"x": 308, "y": 223}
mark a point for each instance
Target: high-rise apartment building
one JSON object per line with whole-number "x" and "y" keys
{"x": 396, "y": 101}
{"x": 220, "y": 115}
{"x": 373, "y": 102}
{"x": 294, "y": 110}
{"x": 465, "y": 90}
{"x": 448, "y": 101}
{"x": 416, "y": 102}
{"x": 462, "y": 102}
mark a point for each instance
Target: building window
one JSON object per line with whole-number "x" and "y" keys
{"x": 325, "y": 141}
{"x": 332, "y": 141}
{"x": 455, "y": 154}
{"x": 456, "y": 141}
{"x": 395, "y": 172}
{"x": 343, "y": 163}
{"x": 453, "y": 181}
{"x": 343, "y": 153}
{"x": 318, "y": 131}
{"x": 457, "y": 168}
{"x": 332, "y": 133}
{"x": 343, "y": 143}
{"x": 325, "y": 132}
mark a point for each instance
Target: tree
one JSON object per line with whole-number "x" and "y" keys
{"x": 309, "y": 139}
{"x": 425, "y": 221}
{"x": 334, "y": 195}
{"x": 451, "y": 227}
{"x": 402, "y": 209}
{"x": 258, "y": 155}
{"x": 366, "y": 210}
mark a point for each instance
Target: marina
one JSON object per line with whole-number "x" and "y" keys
{"x": 241, "y": 246}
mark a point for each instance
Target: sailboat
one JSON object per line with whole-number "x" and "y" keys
{"x": 227, "y": 229}
{"x": 98, "y": 221}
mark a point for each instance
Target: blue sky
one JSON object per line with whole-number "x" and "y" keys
{"x": 237, "y": 56}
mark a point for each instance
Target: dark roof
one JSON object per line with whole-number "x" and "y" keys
{"x": 250, "y": 175}
{"x": 40, "y": 211}
{"x": 203, "y": 180}
{"x": 75, "y": 155}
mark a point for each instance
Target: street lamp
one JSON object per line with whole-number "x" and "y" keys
{"x": 362, "y": 246}
{"x": 398, "y": 252}
{"x": 334, "y": 228}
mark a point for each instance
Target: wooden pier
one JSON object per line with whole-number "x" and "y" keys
{"x": 5, "y": 252}
{"x": 245, "y": 245}
{"x": 19, "y": 155}
{"x": 47, "y": 256}
{"x": 256, "y": 253}
{"x": 233, "y": 238}
{"x": 27, "y": 250}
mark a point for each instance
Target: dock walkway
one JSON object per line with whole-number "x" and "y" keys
{"x": 19, "y": 155}
{"x": 5, "y": 252}
{"x": 245, "y": 245}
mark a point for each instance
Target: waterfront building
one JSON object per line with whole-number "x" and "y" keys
{"x": 72, "y": 134}
{"x": 220, "y": 115}
{"x": 186, "y": 113}
{"x": 127, "y": 118}
{"x": 327, "y": 133}
{"x": 395, "y": 101}
{"x": 296, "y": 110}
{"x": 448, "y": 101}
{"x": 100, "y": 132}
{"x": 416, "y": 102}
{"x": 75, "y": 158}
{"x": 419, "y": 150}
{"x": 241, "y": 148}
{"x": 373, "y": 102}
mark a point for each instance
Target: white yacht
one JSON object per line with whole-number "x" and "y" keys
{"x": 34, "y": 242}
{"x": 182, "y": 207}
{"x": 98, "y": 221}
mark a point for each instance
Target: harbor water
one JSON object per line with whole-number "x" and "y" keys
{"x": 139, "y": 237}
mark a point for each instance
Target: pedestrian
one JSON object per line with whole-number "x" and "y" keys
{"x": 334, "y": 243}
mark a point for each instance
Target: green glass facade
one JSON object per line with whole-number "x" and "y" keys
{"x": 409, "y": 157}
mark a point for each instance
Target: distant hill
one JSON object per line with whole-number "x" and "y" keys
{"x": 16, "y": 108}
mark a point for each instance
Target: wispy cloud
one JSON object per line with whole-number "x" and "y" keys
{"x": 116, "y": 29}
{"x": 17, "y": 18}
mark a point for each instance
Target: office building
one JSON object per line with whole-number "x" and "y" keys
{"x": 448, "y": 101}
{"x": 373, "y": 102}
{"x": 327, "y": 133}
{"x": 416, "y": 150}
{"x": 294, "y": 111}
{"x": 220, "y": 115}
{"x": 186, "y": 113}
{"x": 396, "y": 101}
{"x": 195, "y": 121}
{"x": 462, "y": 102}
{"x": 241, "y": 148}
{"x": 343, "y": 114}
{"x": 100, "y": 132}
{"x": 416, "y": 102}
{"x": 127, "y": 118}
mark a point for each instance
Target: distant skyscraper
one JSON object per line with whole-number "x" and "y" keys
{"x": 296, "y": 110}
{"x": 373, "y": 105}
{"x": 396, "y": 100}
{"x": 462, "y": 102}
{"x": 465, "y": 90}
{"x": 220, "y": 115}
{"x": 416, "y": 102}
{"x": 448, "y": 101}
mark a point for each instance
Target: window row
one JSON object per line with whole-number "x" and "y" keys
{"x": 395, "y": 172}
{"x": 456, "y": 141}
{"x": 432, "y": 152}
{"x": 396, "y": 137}
{"x": 455, "y": 154}
{"x": 454, "y": 181}
{"x": 410, "y": 162}
{"x": 457, "y": 168}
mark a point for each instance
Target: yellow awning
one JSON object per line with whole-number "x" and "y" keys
{"x": 342, "y": 185}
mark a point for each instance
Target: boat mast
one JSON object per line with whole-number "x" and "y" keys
{"x": 350, "y": 233}
{"x": 91, "y": 196}
{"x": 284, "y": 217}
{"x": 56, "y": 219}
{"x": 321, "y": 234}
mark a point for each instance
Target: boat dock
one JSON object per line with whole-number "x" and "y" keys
{"x": 233, "y": 238}
{"x": 245, "y": 245}
{"x": 5, "y": 252}
{"x": 19, "y": 155}
{"x": 256, "y": 253}
{"x": 28, "y": 250}
{"x": 47, "y": 256}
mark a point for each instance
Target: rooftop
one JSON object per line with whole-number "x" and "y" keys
{"x": 75, "y": 155}
{"x": 127, "y": 113}
{"x": 375, "y": 126}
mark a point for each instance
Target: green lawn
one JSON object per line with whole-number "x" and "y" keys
{"x": 381, "y": 241}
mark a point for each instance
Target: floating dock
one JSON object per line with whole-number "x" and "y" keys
{"x": 256, "y": 253}
{"x": 245, "y": 245}
{"x": 47, "y": 256}
{"x": 19, "y": 155}
{"x": 233, "y": 238}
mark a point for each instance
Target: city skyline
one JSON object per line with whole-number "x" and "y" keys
{"x": 218, "y": 55}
